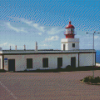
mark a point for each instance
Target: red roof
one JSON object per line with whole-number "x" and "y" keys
{"x": 70, "y": 25}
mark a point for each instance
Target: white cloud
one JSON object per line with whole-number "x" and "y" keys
{"x": 53, "y": 38}
{"x": 26, "y": 21}
{"x": 40, "y": 33}
{"x": 54, "y": 31}
{"x": 32, "y": 24}
{"x": 6, "y": 44}
{"x": 38, "y": 27}
{"x": 45, "y": 45}
{"x": 15, "y": 29}
{"x": 95, "y": 37}
{"x": 42, "y": 28}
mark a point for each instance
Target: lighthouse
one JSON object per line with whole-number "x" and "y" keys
{"x": 69, "y": 42}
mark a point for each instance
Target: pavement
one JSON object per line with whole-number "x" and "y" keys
{"x": 48, "y": 86}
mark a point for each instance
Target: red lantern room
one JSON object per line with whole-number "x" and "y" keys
{"x": 69, "y": 31}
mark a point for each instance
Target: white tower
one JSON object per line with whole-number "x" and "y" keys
{"x": 70, "y": 43}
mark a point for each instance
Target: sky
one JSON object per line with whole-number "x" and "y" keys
{"x": 27, "y": 21}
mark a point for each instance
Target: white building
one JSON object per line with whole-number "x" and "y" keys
{"x": 70, "y": 54}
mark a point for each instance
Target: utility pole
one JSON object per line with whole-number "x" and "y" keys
{"x": 93, "y": 49}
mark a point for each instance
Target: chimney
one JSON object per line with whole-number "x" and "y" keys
{"x": 24, "y": 47}
{"x": 36, "y": 46}
{"x": 10, "y": 47}
{"x": 15, "y": 47}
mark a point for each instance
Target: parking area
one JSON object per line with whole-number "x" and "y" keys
{"x": 48, "y": 86}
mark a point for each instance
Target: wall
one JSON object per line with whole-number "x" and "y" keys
{"x": 69, "y": 47}
{"x": 86, "y": 59}
{"x": 20, "y": 60}
{"x": 68, "y": 43}
{"x": 1, "y": 62}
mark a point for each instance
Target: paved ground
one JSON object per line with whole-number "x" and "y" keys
{"x": 47, "y": 86}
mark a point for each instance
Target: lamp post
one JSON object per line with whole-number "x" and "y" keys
{"x": 93, "y": 49}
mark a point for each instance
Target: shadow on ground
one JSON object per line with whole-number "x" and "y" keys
{"x": 64, "y": 70}
{"x": 60, "y": 69}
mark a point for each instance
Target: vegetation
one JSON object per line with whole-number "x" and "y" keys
{"x": 2, "y": 70}
{"x": 90, "y": 79}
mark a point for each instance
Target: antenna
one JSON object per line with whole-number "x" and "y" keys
{"x": 10, "y": 47}
{"x": 69, "y": 20}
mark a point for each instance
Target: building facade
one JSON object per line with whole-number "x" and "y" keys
{"x": 70, "y": 54}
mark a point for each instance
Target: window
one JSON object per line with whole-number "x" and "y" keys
{"x": 45, "y": 62}
{"x": 63, "y": 46}
{"x": 29, "y": 63}
{"x": 72, "y": 31}
{"x": 73, "y": 44}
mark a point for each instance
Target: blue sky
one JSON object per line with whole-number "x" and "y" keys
{"x": 27, "y": 21}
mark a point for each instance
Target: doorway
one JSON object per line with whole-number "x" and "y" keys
{"x": 59, "y": 62}
{"x": 11, "y": 64}
{"x": 73, "y": 62}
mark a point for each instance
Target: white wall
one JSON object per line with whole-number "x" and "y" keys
{"x": 69, "y": 47}
{"x": 1, "y": 62}
{"x": 20, "y": 60}
{"x": 68, "y": 43}
{"x": 86, "y": 59}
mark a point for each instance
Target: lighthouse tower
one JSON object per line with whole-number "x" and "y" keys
{"x": 69, "y": 43}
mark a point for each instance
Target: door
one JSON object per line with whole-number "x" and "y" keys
{"x": 73, "y": 62}
{"x": 11, "y": 64}
{"x": 59, "y": 62}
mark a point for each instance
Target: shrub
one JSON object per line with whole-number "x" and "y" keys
{"x": 97, "y": 79}
{"x": 2, "y": 70}
{"x": 68, "y": 67}
{"x": 91, "y": 79}
{"x": 86, "y": 79}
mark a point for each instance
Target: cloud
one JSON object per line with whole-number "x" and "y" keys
{"x": 54, "y": 31}
{"x": 53, "y": 38}
{"x": 6, "y": 44}
{"x": 95, "y": 37}
{"x": 32, "y": 24}
{"x": 15, "y": 29}
{"x": 40, "y": 33}
{"x": 45, "y": 45}
{"x": 26, "y": 21}
{"x": 38, "y": 27}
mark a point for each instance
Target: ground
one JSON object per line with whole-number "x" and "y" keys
{"x": 48, "y": 86}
